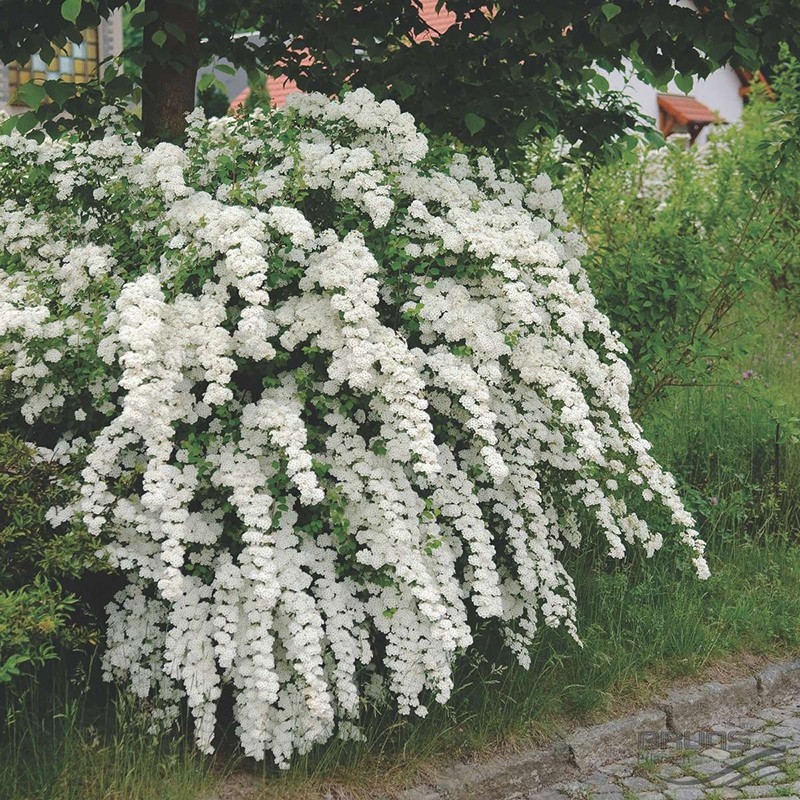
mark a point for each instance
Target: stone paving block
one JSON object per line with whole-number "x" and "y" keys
{"x": 762, "y": 739}
{"x": 750, "y": 723}
{"x": 765, "y": 774}
{"x": 782, "y": 731}
{"x": 704, "y": 766}
{"x": 755, "y": 789}
{"x": 758, "y": 751}
{"x": 685, "y": 793}
{"x": 499, "y": 778}
{"x": 570, "y": 788}
{"x": 726, "y": 780}
{"x": 666, "y": 771}
{"x": 727, "y": 727}
{"x": 656, "y": 755}
{"x": 698, "y": 707}
{"x": 617, "y": 770}
{"x": 772, "y": 714}
{"x": 600, "y": 744}
{"x": 779, "y": 680}
{"x": 600, "y": 784}
{"x": 636, "y": 783}
{"x": 717, "y": 754}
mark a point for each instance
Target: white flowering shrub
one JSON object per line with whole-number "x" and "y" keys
{"x": 334, "y": 395}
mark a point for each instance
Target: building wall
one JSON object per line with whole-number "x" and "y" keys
{"x": 110, "y": 44}
{"x": 719, "y": 91}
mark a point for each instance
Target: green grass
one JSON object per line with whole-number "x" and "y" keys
{"x": 643, "y": 622}
{"x": 67, "y": 739}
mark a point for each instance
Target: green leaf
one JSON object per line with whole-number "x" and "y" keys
{"x": 70, "y": 9}
{"x": 684, "y": 82}
{"x": 59, "y": 91}
{"x": 47, "y": 53}
{"x": 609, "y": 34}
{"x": 26, "y": 122}
{"x": 404, "y": 89}
{"x": 8, "y": 125}
{"x": 256, "y": 79}
{"x": 610, "y": 10}
{"x": 142, "y": 18}
{"x": 226, "y": 69}
{"x": 32, "y": 94}
{"x": 474, "y": 122}
{"x": 119, "y": 87}
{"x": 526, "y": 128}
{"x": 159, "y": 38}
{"x": 654, "y": 138}
{"x": 175, "y": 31}
{"x": 205, "y": 81}
{"x": 600, "y": 83}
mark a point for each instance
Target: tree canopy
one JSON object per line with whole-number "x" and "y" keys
{"x": 503, "y": 73}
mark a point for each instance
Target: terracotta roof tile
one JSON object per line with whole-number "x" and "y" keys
{"x": 686, "y": 110}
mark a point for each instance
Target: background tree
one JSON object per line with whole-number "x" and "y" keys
{"x": 505, "y": 72}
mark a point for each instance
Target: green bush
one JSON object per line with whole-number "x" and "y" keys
{"x": 681, "y": 240}
{"x": 37, "y": 613}
{"x": 735, "y": 446}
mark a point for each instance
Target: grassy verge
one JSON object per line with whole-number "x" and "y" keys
{"x": 64, "y": 738}
{"x": 643, "y": 623}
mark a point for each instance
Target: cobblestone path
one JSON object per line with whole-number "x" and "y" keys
{"x": 757, "y": 757}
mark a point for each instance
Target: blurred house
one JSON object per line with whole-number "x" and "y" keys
{"x": 77, "y": 63}
{"x": 717, "y": 99}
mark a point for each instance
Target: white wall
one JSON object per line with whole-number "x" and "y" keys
{"x": 719, "y": 91}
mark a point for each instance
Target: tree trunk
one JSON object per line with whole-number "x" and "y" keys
{"x": 170, "y": 69}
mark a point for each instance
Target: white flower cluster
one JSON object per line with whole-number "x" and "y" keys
{"x": 334, "y": 395}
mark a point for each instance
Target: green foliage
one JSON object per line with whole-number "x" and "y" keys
{"x": 37, "y": 613}
{"x": 213, "y": 101}
{"x": 528, "y": 69}
{"x": 70, "y": 9}
{"x": 734, "y": 446}
{"x": 64, "y": 737}
{"x": 45, "y": 27}
{"x": 30, "y": 618}
{"x": 682, "y": 239}
{"x": 259, "y": 92}
{"x": 781, "y": 150}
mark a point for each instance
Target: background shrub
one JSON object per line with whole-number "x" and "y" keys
{"x": 684, "y": 241}
{"x": 39, "y": 567}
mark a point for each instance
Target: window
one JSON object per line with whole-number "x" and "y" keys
{"x": 77, "y": 63}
